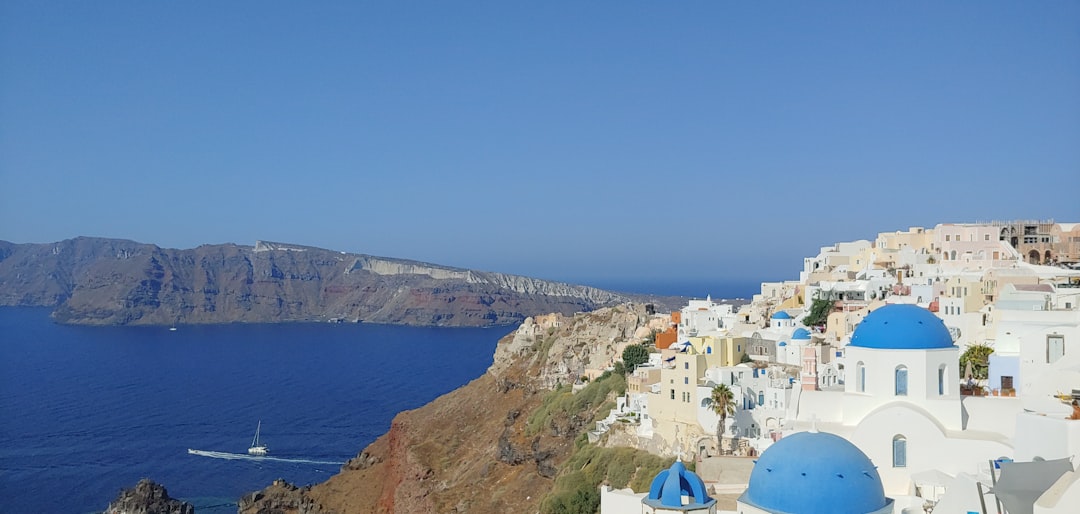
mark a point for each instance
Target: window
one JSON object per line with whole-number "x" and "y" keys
{"x": 761, "y": 399}
{"x": 1055, "y": 348}
{"x": 899, "y": 451}
{"x": 672, "y": 394}
{"x": 901, "y": 380}
{"x": 986, "y": 237}
{"x": 948, "y": 237}
{"x": 685, "y": 380}
{"x": 942, "y": 390}
{"x": 686, "y": 365}
{"x": 860, "y": 377}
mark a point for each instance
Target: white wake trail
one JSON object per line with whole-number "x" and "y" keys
{"x": 242, "y": 456}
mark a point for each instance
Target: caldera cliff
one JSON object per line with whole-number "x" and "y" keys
{"x": 118, "y": 282}
{"x": 498, "y": 444}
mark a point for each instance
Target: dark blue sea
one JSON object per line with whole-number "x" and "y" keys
{"x": 87, "y": 411}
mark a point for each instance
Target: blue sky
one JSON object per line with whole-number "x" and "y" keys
{"x": 582, "y": 141}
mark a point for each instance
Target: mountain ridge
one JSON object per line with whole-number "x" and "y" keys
{"x": 102, "y": 281}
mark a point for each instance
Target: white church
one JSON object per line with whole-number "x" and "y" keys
{"x": 901, "y": 405}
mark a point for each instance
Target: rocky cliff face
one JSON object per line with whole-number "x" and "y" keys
{"x": 148, "y": 497}
{"x": 473, "y": 450}
{"x": 108, "y": 281}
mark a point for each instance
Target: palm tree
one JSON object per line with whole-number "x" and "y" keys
{"x": 723, "y": 404}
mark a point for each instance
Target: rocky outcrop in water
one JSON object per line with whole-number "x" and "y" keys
{"x": 281, "y": 498}
{"x": 148, "y": 497}
{"x": 111, "y": 281}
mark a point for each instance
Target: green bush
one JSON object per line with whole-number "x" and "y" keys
{"x": 590, "y": 466}
{"x": 820, "y": 309}
{"x": 633, "y": 356}
{"x": 563, "y": 403}
{"x": 979, "y": 357}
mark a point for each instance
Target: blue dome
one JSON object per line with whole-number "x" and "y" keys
{"x": 812, "y": 473}
{"x": 902, "y": 327}
{"x": 781, "y": 315}
{"x": 800, "y": 333}
{"x": 670, "y": 485}
{"x": 782, "y": 343}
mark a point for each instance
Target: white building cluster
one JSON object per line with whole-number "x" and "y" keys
{"x": 880, "y": 368}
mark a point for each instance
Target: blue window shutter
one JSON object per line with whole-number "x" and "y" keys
{"x": 899, "y": 449}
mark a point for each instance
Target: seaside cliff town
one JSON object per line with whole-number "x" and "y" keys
{"x": 928, "y": 370}
{"x": 933, "y": 369}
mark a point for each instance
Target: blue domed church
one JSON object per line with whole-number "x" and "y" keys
{"x": 901, "y": 401}
{"x": 814, "y": 473}
{"x": 903, "y": 354}
{"x": 677, "y": 490}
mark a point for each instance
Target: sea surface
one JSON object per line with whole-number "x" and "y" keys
{"x": 87, "y": 411}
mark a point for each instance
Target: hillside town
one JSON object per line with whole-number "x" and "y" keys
{"x": 938, "y": 364}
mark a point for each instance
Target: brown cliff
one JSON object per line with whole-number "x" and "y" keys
{"x": 492, "y": 446}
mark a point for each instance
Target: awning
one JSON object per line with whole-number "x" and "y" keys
{"x": 1022, "y": 483}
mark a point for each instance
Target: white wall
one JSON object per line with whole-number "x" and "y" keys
{"x": 1046, "y": 437}
{"x": 620, "y": 501}
{"x": 928, "y": 446}
{"x": 922, "y": 366}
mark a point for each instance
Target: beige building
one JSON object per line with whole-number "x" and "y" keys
{"x": 970, "y": 246}
{"x": 642, "y": 380}
{"x": 674, "y": 406}
{"x": 915, "y": 238}
{"x": 1041, "y": 242}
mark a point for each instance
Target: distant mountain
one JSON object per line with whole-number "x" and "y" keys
{"x": 118, "y": 282}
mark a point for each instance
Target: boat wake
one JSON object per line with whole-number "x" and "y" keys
{"x": 261, "y": 458}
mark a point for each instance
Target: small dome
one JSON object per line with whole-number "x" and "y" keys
{"x": 812, "y": 473}
{"x": 782, "y": 343}
{"x": 670, "y": 485}
{"x": 902, "y": 327}
{"x": 800, "y": 333}
{"x": 781, "y": 315}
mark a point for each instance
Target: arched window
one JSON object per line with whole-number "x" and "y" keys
{"x": 942, "y": 380}
{"x": 860, "y": 377}
{"x": 899, "y": 451}
{"x": 708, "y": 349}
{"x": 901, "y": 380}
{"x": 952, "y": 255}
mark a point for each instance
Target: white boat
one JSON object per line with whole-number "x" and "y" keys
{"x": 258, "y": 448}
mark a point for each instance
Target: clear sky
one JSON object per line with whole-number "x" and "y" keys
{"x": 582, "y": 141}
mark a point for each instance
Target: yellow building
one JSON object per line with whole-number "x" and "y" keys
{"x": 676, "y": 404}
{"x": 719, "y": 351}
